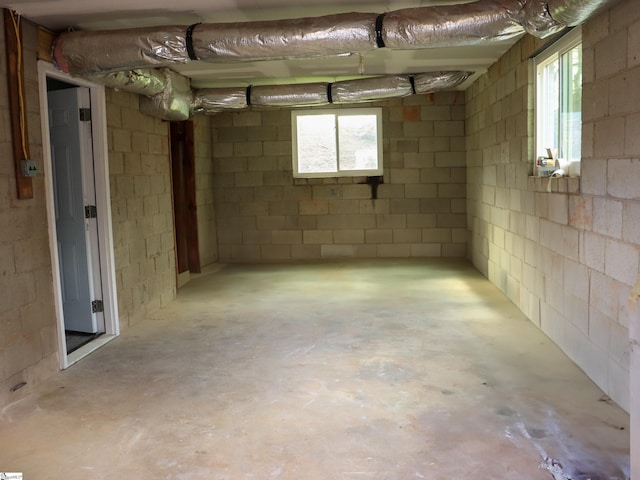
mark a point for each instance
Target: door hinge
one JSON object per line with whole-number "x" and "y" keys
{"x": 90, "y": 211}
{"x": 85, "y": 114}
{"x": 97, "y": 306}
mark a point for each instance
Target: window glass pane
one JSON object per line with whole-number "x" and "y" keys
{"x": 358, "y": 142}
{"x": 317, "y": 144}
{"x": 337, "y": 142}
{"x": 571, "y": 117}
{"x": 548, "y": 100}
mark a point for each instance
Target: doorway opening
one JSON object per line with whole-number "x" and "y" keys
{"x": 74, "y": 198}
{"x": 185, "y": 212}
{"x": 79, "y": 213}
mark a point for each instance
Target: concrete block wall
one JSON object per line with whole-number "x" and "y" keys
{"x": 570, "y": 257}
{"x": 28, "y": 341}
{"x": 207, "y": 235}
{"x": 140, "y": 180}
{"x": 264, "y": 214}
{"x": 634, "y": 334}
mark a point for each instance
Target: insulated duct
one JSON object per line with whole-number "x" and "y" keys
{"x": 301, "y": 95}
{"x": 370, "y": 89}
{"x": 451, "y": 25}
{"x": 425, "y": 83}
{"x": 536, "y": 20}
{"x": 86, "y": 53}
{"x": 295, "y": 38}
{"x": 174, "y": 102}
{"x": 147, "y": 81}
{"x": 575, "y": 12}
{"x": 213, "y": 100}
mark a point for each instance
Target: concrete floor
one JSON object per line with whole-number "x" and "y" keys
{"x": 348, "y": 371}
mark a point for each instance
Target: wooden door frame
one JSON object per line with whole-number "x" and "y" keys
{"x": 186, "y": 131}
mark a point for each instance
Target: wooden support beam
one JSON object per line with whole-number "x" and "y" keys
{"x": 17, "y": 100}
{"x": 45, "y": 44}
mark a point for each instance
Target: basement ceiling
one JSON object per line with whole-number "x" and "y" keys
{"x": 61, "y": 15}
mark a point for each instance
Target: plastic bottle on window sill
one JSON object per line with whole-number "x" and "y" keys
{"x": 574, "y": 168}
{"x": 544, "y": 166}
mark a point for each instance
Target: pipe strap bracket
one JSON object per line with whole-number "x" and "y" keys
{"x": 329, "y": 94}
{"x": 189, "y": 40}
{"x": 379, "y": 39}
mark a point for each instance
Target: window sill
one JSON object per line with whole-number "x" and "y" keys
{"x": 328, "y": 180}
{"x": 570, "y": 185}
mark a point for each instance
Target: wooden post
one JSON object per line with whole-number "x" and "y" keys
{"x": 45, "y": 44}
{"x": 17, "y": 101}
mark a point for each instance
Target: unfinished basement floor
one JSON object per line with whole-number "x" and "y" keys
{"x": 385, "y": 370}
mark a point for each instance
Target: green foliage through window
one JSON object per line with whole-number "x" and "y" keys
{"x": 559, "y": 98}
{"x": 333, "y": 143}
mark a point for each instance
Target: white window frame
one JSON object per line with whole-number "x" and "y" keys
{"x": 342, "y": 112}
{"x": 554, "y": 53}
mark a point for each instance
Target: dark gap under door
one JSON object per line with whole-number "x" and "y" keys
{"x": 75, "y": 340}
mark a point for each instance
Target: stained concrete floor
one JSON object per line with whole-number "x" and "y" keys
{"x": 391, "y": 370}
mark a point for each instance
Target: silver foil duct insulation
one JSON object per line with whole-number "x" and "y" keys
{"x": 144, "y": 81}
{"x": 370, "y": 89}
{"x": 452, "y": 25}
{"x": 537, "y": 21}
{"x": 300, "y": 95}
{"x": 482, "y": 21}
{"x": 87, "y": 53}
{"x": 295, "y": 38}
{"x": 213, "y": 100}
{"x": 437, "y": 81}
{"x": 575, "y": 12}
{"x": 174, "y": 102}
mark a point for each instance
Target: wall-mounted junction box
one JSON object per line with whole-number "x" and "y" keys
{"x": 29, "y": 168}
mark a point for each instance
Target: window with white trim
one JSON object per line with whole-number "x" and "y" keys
{"x": 559, "y": 99}
{"x": 337, "y": 143}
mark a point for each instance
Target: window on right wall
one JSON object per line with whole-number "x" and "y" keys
{"x": 559, "y": 101}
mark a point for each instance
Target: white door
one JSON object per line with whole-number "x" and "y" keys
{"x": 74, "y": 199}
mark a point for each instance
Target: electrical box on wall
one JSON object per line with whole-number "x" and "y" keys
{"x": 29, "y": 168}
